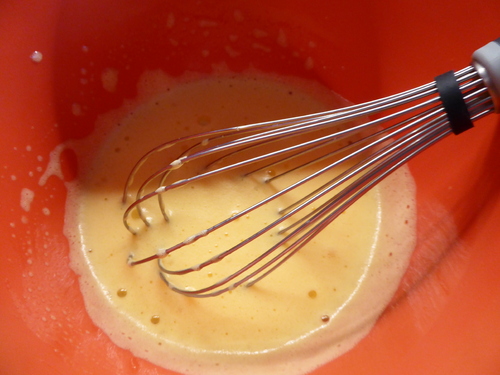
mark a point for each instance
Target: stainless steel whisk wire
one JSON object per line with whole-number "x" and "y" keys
{"x": 407, "y": 132}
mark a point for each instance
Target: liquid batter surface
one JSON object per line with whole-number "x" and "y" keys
{"x": 312, "y": 309}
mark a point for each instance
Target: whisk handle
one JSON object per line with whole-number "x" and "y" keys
{"x": 486, "y": 60}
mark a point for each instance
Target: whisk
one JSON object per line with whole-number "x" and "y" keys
{"x": 406, "y": 124}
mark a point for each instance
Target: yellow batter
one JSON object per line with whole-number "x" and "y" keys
{"x": 312, "y": 309}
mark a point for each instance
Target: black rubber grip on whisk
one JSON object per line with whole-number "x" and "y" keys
{"x": 453, "y": 102}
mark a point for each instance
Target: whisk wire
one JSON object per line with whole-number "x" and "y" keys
{"x": 325, "y": 216}
{"x": 305, "y": 124}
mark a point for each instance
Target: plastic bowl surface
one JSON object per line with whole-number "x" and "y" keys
{"x": 444, "y": 319}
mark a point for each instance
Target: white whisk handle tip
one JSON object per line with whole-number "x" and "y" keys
{"x": 486, "y": 60}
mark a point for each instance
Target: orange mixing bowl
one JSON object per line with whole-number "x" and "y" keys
{"x": 445, "y": 318}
